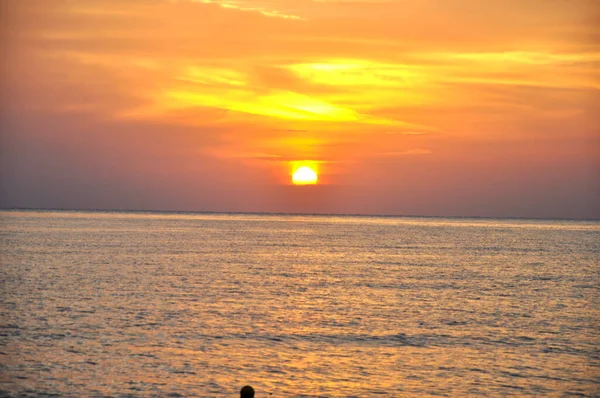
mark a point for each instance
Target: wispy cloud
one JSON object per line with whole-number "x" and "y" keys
{"x": 265, "y": 82}
{"x": 407, "y": 152}
{"x": 262, "y": 7}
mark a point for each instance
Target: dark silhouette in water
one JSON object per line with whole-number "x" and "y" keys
{"x": 247, "y": 392}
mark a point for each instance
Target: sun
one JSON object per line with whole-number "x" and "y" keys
{"x": 304, "y": 176}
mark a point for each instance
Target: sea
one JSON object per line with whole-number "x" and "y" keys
{"x": 142, "y": 304}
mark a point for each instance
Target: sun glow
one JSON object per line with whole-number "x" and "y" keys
{"x": 304, "y": 176}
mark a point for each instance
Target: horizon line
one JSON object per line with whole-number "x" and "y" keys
{"x": 99, "y": 210}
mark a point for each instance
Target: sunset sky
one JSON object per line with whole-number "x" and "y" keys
{"x": 420, "y": 107}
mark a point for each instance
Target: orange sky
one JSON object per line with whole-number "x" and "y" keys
{"x": 422, "y": 107}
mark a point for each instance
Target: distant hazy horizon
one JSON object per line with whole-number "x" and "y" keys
{"x": 200, "y": 212}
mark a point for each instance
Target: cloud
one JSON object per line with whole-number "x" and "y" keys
{"x": 407, "y": 152}
{"x": 265, "y": 8}
{"x": 235, "y": 89}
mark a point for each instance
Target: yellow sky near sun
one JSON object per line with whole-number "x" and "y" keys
{"x": 331, "y": 81}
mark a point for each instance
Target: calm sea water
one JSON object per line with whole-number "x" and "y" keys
{"x": 139, "y": 304}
